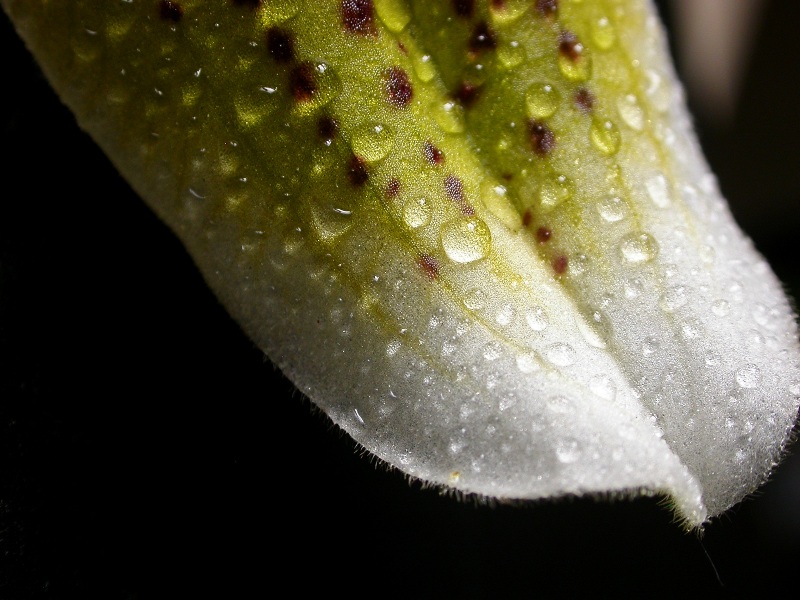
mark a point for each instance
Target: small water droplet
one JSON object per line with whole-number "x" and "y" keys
{"x": 475, "y": 299}
{"x": 511, "y": 54}
{"x": 595, "y": 329}
{"x": 605, "y": 136}
{"x": 537, "y": 318}
{"x": 495, "y": 197}
{"x": 650, "y": 346}
{"x": 612, "y": 208}
{"x": 674, "y": 298}
{"x": 505, "y": 315}
{"x": 633, "y": 288}
{"x": 508, "y": 11}
{"x": 603, "y": 386}
{"x": 721, "y": 308}
{"x": 555, "y": 190}
{"x": 631, "y": 111}
{"x": 373, "y": 141}
{"x": 329, "y": 221}
{"x": 449, "y": 115}
{"x": 424, "y": 67}
{"x": 542, "y": 100}
{"x": 560, "y": 354}
{"x": 712, "y": 359}
{"x": 603, "y": 33}
{"x": 658, "y": 191}
{"x": 393, "y": 13}
{"x": 568, "y": 450}
{"x": 579, "y": 69}
{"x": 275, "y": 12}
{"x": 417, "y": 212}
{"x": 748, "y": 377}
{"x": 691, "y": 329}
{"x": 326, "y": 86}
{"x": 492, "y": 351}
{"x": 466, "y": 239}
{"x": 527, "y": 363}
{"x": 639, "y": 247}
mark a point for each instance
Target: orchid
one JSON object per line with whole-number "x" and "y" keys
{"x": 481, "y": 236}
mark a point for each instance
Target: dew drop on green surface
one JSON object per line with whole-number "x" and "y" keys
{"x": 639, "y": 247}
{"x": 605, "y": 136}
{"x": 466, "y": 239}
{"x": 475, "y": 299}
{"x": 424, "y": 67}
{"x": 275, "y": 12}
{"x": 603, "y": 33}
{"x": 252, "y": 108}
{"x": 612, "y": 209}
{"x": 575, "y": 70}
{"x": 326, "y": 87}
{"x": 511, "y": 54}
{"x": 449, "y": 115}
{"x": 658, "y": 190}
{"x": 393, "y": 13}
{"x": 555, "y": 190}
{"x": 495, "y": 197}
{"x": 631, "y": 112}
{"x": 542, "y": 100}
{"x": 417, "y": 212}
{"x": 508, "y": 11}
{"x": 373, "y": 141}
{"x": 329, "y": 221}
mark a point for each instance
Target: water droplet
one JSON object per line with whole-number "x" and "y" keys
{"x": 721, "y": 308}
{"x": 449, "y": 115}
{"x": 633, "y": 288}
{"x": 327, "y": 86}
{"x": 639, "y": 247}
{"x": 605, "y": 136}
{"x": 508, "y": 10}
{"x": 691, "y": 329}
{"x": 505, "y": 315}
{"x": 561, "y": 355}
{"x": 373, "y": 142}
{"x": 595, "y": 329}
{"x": 554, "y": 191}
{"x": 466, "y": 239}
{"x": 527, "y": 363}
{"x": 511, "y": 54}
{"x": 612, "y": 208}
{"x": 392, "y": 347}
{"x": 603, "y": 386}
{"x": 495, "y": 197}
{"x": 712, "y": 359}
{"x": 650, "y": 346}
{"x": 537, "y": 318}
{"x": 658, "y": 191}
{"x": 329, "y": 221}
{"x": 568, "y": 450}
{"x": 748, "y": 377}
{"x": 579, "y": 69}
{"x": 251, "y": 109}
{"x": 631, "y": 112}
{"x": 603, "y": 33}
{"x": 475, "y": 299}
{"x": 424, "y": 67}
{"x": 417, "y": 212}
{"x": 674, "y": 298}
{"x": 542, "y": 100}
{"x": 393, "y": 13}
{"x": 492, "y": 351}
{"x": 275, "y": 12}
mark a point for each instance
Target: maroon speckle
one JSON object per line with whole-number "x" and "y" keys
{"x": 170, "y": 11}
{"x": 302, "y": 82}
{"x": 455, "y": 191}
{"x": 466, "y": 94}
{"x": 432, "y": 154}
{"x": 393, "y": 188}
{"x": 543, "y": 140}
{"x": 507, "y": 176}
{"x": 584, "y": 99}
{"x": 483, "y": 38}
{"x": 464, "y": 8}
{"x": 402, "y": 47}
{"x": 499, "y": 4}
{"x": 569, "y": 46}
{"x": 543, "y": 235}
{"x": 527, "y": 217}
{"x": 560, "y": 263}
{"x": 358, "y": 16}
{"x": 398, "y": 87}
{"x": 357, "y": 171}
{"x": 327, "y": 129}
{"x": 280, "y": 44}
{"x": 547, "y": 8}
{"x": 429, "y": 266}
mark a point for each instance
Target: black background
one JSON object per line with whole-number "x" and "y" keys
{"x": 148, "y": 450}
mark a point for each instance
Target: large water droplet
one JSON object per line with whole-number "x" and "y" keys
{"x": 537, "y": 318}
{"x": 748, "y": 377}
{"x": 373, "y": 141}
{"x": 511, "y": 54}
{"x": 631, "y": 112}
{"x": 612, "y": 209}
{"x": 475, "y": 299}
{"x": 466, "y": 239}
{"x": 449, "y": 115}
{"x": 555, "y": 190}
{"x": 605, "y": 136}
{"x": 417, "y": 212}
{"x": 658, "y": 191}
{"x": 576, "y": 70}
{"x": 561, "y": 355}
{"x": 674, "y": 298}
{"x": 424, "y": 67}
{"x": 506, "y": 315}
{"x": 329, "y": 221}
{"x": 508, "y": 10}
{"x": 393, "y": 13}
{"x": 603, "y": 33}
{"x": 639, "y": 247}
{"x": 542, "y": 100}
{"x": 327, "y": 86}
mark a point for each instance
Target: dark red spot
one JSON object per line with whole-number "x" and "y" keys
{"x": 393, "y": 188}
{"x": 584, "y": 100}
{"x": 280, "y": 44}
{"x": 527, "y": 218}
{"x": 302, "y": 82}
{"x": 170, "y": 11}
{"x": 432, "y": 154}
{"x": 455, "y": 191}
{"x": 327, "y": 129}
{"x": 429, "y": 266}
{"x": 507, "y": 176}
{"x": 248, "y": 3}
{"x": 466, "y": 94}
{"x": 560, "y": 263}
{"x": 543, "y": 235}
{"x": 398, "y": 87}
{"x": 357, "y": 171}
{"x": 464, "y": 8}
{"x": 358, "y": 16}
{"x": 569, "y": 46}
{"x": 499, "y": 4}
{"x": 402, "y": 47}
{"x": 547, "y": 8}
{"x": 483, "y": 38}
{"x": 543, "y": 140}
